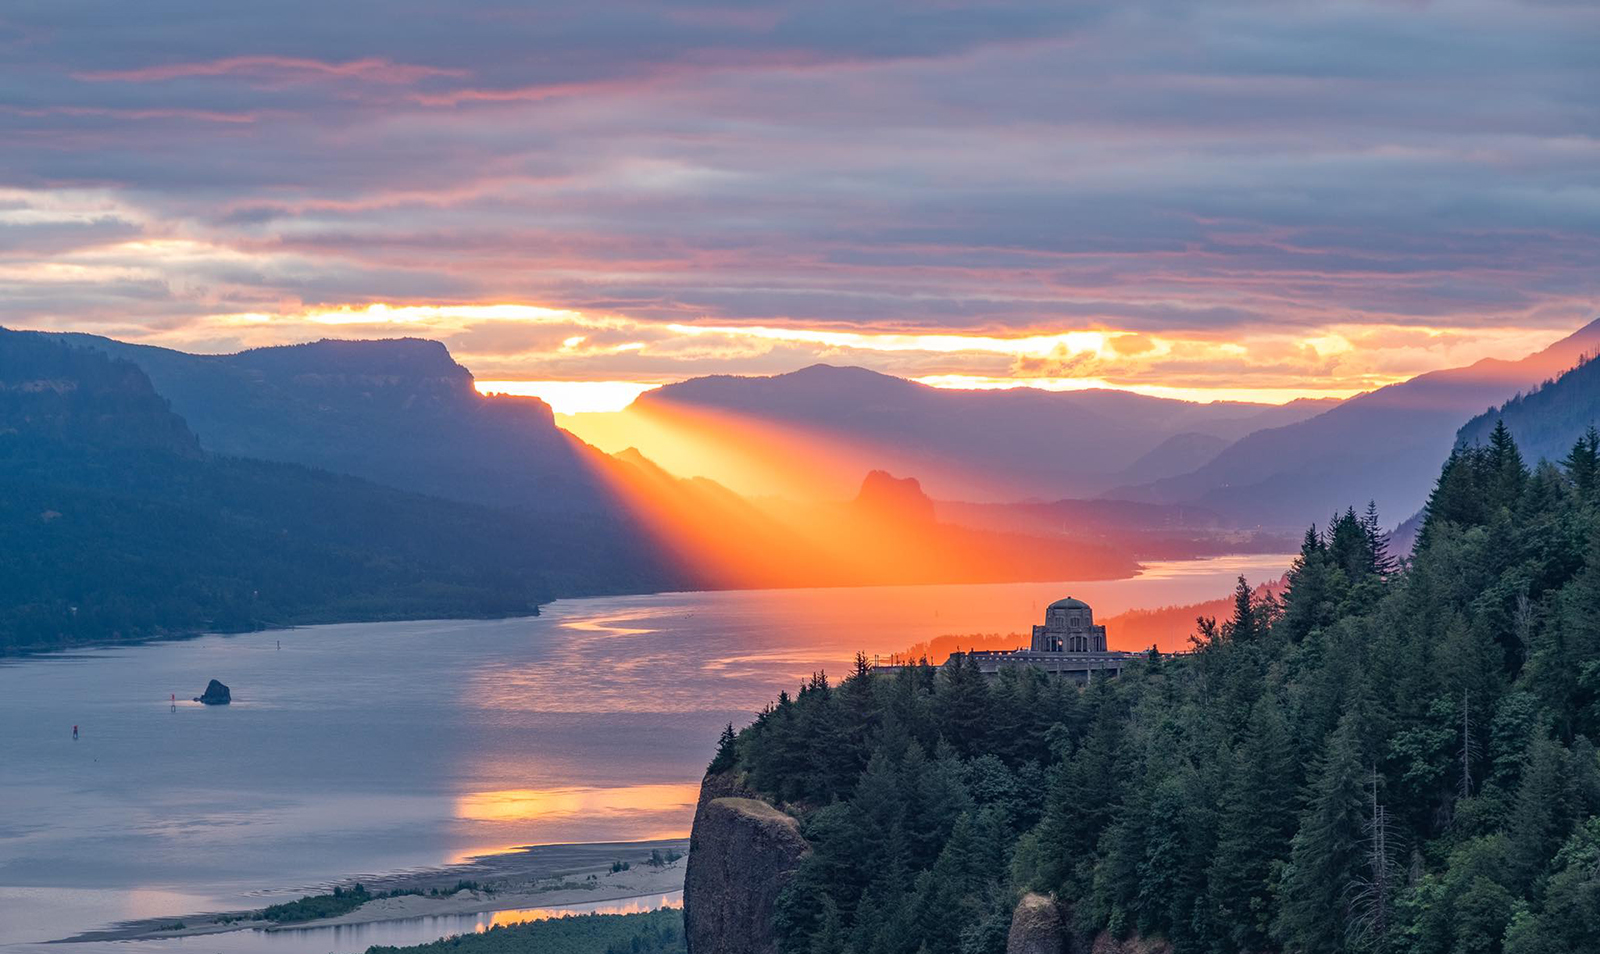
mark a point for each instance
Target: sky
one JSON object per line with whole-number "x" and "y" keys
{"x": 1229, "y": 199}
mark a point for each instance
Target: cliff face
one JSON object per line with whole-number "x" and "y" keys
{"x": 1036, "y": 927}
{"x": 79, "y": 397}
{"x": 400, "y": 412}
{"x": 742, "y": 852}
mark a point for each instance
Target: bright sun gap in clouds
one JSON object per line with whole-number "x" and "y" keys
{"x": 580, "y": 361}
{"x": 572, "y": 397}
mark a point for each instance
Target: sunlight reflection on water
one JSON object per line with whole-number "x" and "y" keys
{"x": 360, "y": 749}
{"x": 527, "y": 805}
{"x": 672, "y": 899}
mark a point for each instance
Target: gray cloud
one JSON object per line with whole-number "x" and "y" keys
{"x": 1023, "y": 165}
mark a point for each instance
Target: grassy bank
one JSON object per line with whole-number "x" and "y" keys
{"x": 657, "y": 932}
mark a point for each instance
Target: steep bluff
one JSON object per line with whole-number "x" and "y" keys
{"x": 742, "y": 852}
{"x": 400, "y": 412}
{"x": 1036, "y": 927}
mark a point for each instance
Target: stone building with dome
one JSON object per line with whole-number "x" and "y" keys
{"x": 1068, "y": 644}
{"x": 1069, "y": 627}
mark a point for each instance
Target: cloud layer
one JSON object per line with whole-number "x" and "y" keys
{"x": 1277, "y": 197}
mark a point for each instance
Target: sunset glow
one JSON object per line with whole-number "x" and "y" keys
{"x": 1166, "y": 201}
{"x": 831, "y": 478}
{"x": 536, "y": 805}
{"x": 572, "y": 397}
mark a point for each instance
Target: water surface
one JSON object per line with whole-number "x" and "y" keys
{"x": 365, "y": 749}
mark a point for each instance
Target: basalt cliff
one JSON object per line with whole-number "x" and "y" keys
{"x": 742, "y": 853}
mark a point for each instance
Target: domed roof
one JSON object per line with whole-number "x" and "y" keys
{"x": 1069, "y": 603}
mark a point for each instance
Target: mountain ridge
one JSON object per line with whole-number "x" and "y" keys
{"x": 984, "y": 444}
{"x": 365, "y": 407}
{"x": 1383, "y": 445}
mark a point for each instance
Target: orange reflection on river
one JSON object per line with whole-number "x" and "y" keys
{"x": 548, "y": 804}
{"x": 621, "y": 906}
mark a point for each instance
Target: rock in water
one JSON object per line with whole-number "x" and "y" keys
{"x": 1036, "y": 927}
{"x": 216, "y": 694}
{"x": 741, "y": 854}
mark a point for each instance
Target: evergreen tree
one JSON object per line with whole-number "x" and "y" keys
{"x": 1308, "y": 600}
{"x": 1255, "y": 825}
{"x": 1542, "y": 815}
{"x": 1350, "y": 547}
{"x": 829, "y": 936}
{"x": 1506, "y": 469}
{"x": 1457, "y": 498}
{"x": 727, "y": 752}
{"x": 1244, "y": 627}
{"x": 1569, "y": 922}
{"x": 961, "y": 697}
{"x": 1582, "y": 464}
{"x": 1382, "y": 563}
{"x": 1327, "y": 854}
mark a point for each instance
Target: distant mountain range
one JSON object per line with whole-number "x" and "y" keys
{"x": 118, "y": 524}
{"x": 147, "y": 491}
{"x": 832, "y": 424}
{"x": 1222, "y": 464}
{"x": 400, "y": 412}
{"x": 369, "y": 480}
{"x": 1385, "y": 445}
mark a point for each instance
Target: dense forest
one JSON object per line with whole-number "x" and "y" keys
{"x": 1388, "y": 758}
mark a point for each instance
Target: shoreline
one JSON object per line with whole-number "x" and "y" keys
{"x": 1141, "y": 565}
{"x": 531, "y": 877}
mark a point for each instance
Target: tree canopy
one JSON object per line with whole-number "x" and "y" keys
{"x": 1396, "y": 757}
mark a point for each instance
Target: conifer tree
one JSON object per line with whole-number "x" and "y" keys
{"x": 1243, "y": 627}
{"x": 727, "y": 752}
{"x": 1507, "y": 471}
{"x": 1327, "y": 852}
{"x": 1382, "y": 563}
{"x": 1458, "y": 497}
{"x": 1308, "y": 599}
{"x": 1254, "y": 827}
{"x": 1570, "y": 920}
{"x": 1350, "y": 547}
{"x": 1542, "y": 814}
{"x": 961, "y": 697}
{"x": 1582, "y": 463}
{"x": 829, "y": 937}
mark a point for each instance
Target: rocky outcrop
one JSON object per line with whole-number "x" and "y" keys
{"x": 898, "y": 499}
{"x": 216, "y": 694}
{"x": 742, "y": 852}
{"x": 1106, "y": 944}
{"x": 1036, "y": 927}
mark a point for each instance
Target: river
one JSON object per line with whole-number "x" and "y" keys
{"x": 372, "y": 748}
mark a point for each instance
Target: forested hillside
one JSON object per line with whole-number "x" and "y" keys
{"x": 1382, "y": 445}
{"x": 1387, "y": 759}
{"x": 116, "y": 525}
{"x": 1547, "y": 420}
{"x": 399, "y": 412}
